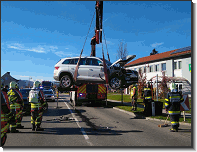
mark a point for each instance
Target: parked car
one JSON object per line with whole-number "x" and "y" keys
{"x": 49, "y": 95}
{"x": 25, "y": 94}
{"x": 46, "y": 85}
{"x": 91, "y": 70}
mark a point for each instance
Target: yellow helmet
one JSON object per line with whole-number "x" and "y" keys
{"x": 13, "y": 85}
{"x": 36, "y": 84}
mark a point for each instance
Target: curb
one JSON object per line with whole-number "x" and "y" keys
{"x": 149, "y": 118}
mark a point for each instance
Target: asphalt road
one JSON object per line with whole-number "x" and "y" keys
{"x": 95, "y": 126}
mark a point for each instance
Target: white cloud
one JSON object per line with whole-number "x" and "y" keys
{"x": 24, "y": 76}
{"x": 18, "y": 46}
{"x": 156, "y": 44}
{"x": 53, "y": 48}
{"x": 63, "y": 54}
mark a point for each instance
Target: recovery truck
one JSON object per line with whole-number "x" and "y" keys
{"x": 90, "y": 92}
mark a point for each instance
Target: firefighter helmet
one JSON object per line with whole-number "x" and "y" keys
{"x": 13, "y": 84}
{"x": 173, "y": 87}
{"x": 36, "y": 84}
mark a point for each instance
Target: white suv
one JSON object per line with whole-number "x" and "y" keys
{"x": 91, "y": 70}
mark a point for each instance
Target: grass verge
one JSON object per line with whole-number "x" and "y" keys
{"x": 139, "y": 112}
{"x": 126, "y": 98}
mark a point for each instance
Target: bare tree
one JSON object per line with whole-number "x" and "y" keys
{"x": 122, "y": 50}
{"x": 163, "y": 87}
{"x": 141, "y": 82}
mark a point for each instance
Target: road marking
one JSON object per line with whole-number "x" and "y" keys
{"x": 82, "y": 130}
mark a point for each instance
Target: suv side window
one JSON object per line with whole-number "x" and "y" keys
{"x": 74, "y": 61}
{"x": 91, "y": 61}
{"x": 88, "y": 61}
{"x": 95, "y": 62}
{"x": 82, "y": 61}
{"x": 67, "y": 61}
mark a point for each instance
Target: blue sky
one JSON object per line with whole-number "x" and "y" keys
{"x": 35, "y": 35}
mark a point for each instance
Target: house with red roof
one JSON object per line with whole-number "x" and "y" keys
{"x": 175, "y": 63}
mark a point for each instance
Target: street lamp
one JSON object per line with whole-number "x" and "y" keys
{"x": 29, "y": 81}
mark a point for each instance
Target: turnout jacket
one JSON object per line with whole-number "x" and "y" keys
{"x": 132, "y": 92}
{"x": 172, "y": 102}
{"x": 36, "y": 98}
{"x": 15, "y": 99}
{"x": 5, "y": 113}
{"x": 147, "y": 93}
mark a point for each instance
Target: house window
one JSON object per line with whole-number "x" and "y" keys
{"x": 140, "y": 70}
{"x": 180, "y": 64}
{"x": 163, "y": 66}
{"x": 144, "y": 69}
{"x": 157, "y": 67}
{"x": 175, "y": 65}
{"x": 151, "y": 68}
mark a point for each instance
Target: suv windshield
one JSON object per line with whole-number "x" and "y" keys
{"x": 107, "y": 62}
{"x": 47, "y": 92}
{"x": 47, "y": 84}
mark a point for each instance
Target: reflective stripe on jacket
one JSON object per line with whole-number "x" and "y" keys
{"x": 12, "y": 96}
{"x": 172, "y": 102}
{"x": 147, "y": 93}
{"x": 132, "y": 92}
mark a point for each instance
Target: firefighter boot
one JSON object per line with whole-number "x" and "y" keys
{"x": 173, "y": 130}
{"x": 20, "y": 127}
{"x": 38, "y": 128}
{"x": 14, "y": 131}
{"x": 33, "y": 127}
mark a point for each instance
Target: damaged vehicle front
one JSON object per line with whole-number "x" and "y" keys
{"x": 119, "y": 77}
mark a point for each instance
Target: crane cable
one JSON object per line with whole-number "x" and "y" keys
{"x": 106, "y": 45}
{"x": 104, "y": 63}
{"x": 77, "y": 66}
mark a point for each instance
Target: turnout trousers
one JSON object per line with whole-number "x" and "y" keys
{"x": 147, "y": 107}
{"x": 13, "y": 119}
{"x": 19, "y": 115}
{"x": 4, "y": 127}
{"x": 36, "y": 117}
{"x": 134, "y": 103}
{"x": 175, "y": 121}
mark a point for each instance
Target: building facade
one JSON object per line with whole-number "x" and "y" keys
{"x": 7, "y": 78}
{"x": 175, "y": 64}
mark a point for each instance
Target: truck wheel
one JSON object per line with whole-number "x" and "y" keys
{"x": 66, "y": 81}
{"x": 115, "y": 82}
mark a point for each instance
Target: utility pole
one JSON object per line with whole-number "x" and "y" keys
{"x": 121, "y": 96}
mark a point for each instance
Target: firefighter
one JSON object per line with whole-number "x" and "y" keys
{"x": 5, "y": 116}
{"x": 14, "y": 106}
{"x": 36, "y": 98}
{"x": 5, "y": 89}
{"x": 19, "y": 113}
{"x": 133, "y": 93}
{"x": 172, "y": 106}
{"x": 93, "y": 43}
{"x": 147, "y": 99}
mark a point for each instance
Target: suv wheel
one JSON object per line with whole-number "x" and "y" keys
{"x": 66, "y": 81}
{"x": 115, "y": 82}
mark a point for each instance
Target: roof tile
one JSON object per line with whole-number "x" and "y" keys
{"x": 157, "y": 57}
